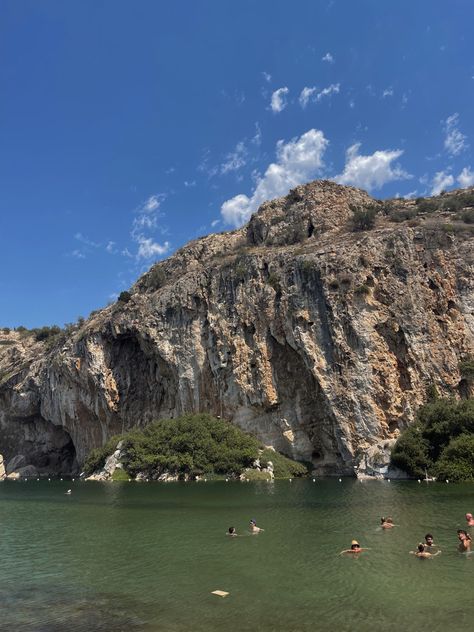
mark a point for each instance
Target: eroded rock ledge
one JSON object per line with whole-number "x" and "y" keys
{"x": 318, "y": 339}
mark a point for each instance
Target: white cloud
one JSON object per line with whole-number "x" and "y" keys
{"x": 147, "y": 248}
{"x": 236, "y": 159}
{"x": 257, "y": 139}
{"x": 110, "y": 247}
{"x": 215, "y": 222}
{"x": 325, "y": 92}
{"x": 388, "y": 92}
{"x": 312, "y": 94}
{"x": 189, "y": 183}
{"x": 305, "y": 95}
{"x": 352, "y": 104}
{"x": 441, "y": 180}
{"x": 278, "y": 102}
{"x": 373, "y": 171}
{"x": 455, "y": 140}
{"x": 299, "y": 160}
{"x": 146, "y": 221}
{"x": 78, "y": 254}
{"x": 466, "y": 177}
{"x": 267, "y": 76}
{"x": 152, "y": 204}
{"x": 86, "y": 241}
{"x": 328, "y": 57}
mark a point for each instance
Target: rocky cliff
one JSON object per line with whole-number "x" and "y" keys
{"x": 318, "y": 338}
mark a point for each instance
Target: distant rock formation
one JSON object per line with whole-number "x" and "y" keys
{"x": 319, "y": 339}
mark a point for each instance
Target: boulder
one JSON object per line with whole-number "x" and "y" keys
{"x": 28, "y": 471}
{"x": 16, "y": 462}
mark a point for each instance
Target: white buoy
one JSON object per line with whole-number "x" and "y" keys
{"x": 340, "y": 480}
{"x": 37, "y": 479}
{"x": 291, "y": 480}
{"x": 60, "y": 479}
{"x": 226, "y": 480}
{"x": 129, "y": 480}
{"x": 447, "y": 480}
{"x": 69, "y": 492}
{"x": 388, "y": 480}
{"x": 73, "y": 480}
{"x": 419, "y": 481}
{"x": 205, "y": 480}
{"x": 49, "y": 479}
{"x": 25, "y": 479}
{"x": 314, "y": 480}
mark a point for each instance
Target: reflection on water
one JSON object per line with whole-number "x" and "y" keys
{"x": 145, "y": 557}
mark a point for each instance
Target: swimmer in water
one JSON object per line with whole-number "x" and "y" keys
{"x": 429, "y": 543}
{"x": 423, "y": 553}
{"x": 232, "y": 532}
{"x": 253, "y": 527}
{"x": 469, "y": 520}
{"x": 464, "y": 541}
{"x": 386, "y": 523}
{"x": 355, "y": 549}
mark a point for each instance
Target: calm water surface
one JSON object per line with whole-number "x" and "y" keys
{"x": 145, "y": 557}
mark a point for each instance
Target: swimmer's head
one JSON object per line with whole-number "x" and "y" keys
{"x": 231, "y": 529}
{"x": 469, "y": 516}
{"x": 383, "y": 519}
{"x": 462, "y": 534}
{"x": 421, "y": 548}
{"x": 253, "y": 521}
{"x": 429, "y": 539}
{"x": 355, "y": 545}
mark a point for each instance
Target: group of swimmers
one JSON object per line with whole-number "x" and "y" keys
{"x": 426, "y": 549}
{"x": 252, "y": 526}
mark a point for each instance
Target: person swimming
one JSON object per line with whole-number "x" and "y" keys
{"x": 253, "y": 527}
{"x": 355, "y": 548}
{"x": 423, "y": 553}
{"x": 429, "y": 542}
{"x": 386, "y": 523}
{"x": 464, "y": 541}
{"x": 470, "y": 520}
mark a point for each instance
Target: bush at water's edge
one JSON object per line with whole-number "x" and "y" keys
{"x": 191, "y": 446}
{"x": 440, "y": 442}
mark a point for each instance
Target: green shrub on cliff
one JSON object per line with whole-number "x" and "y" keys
{"x": 193, "y": 445}
{"x": 439, "y": 440}
{"x": 457, "y": 460}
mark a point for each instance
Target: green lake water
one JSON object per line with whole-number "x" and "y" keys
{"x": 145, "y": 557}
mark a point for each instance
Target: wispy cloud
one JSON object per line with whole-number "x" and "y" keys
{"x": 235, "y": 160}
{"x": 328, "y": 57}
{"x": 267, "y": 76}
{"x": 371, "y": 171}
{"x": 313, "y": 95}
{"x": 279, "y": 101}
{"x": 388, "y": 92}
{"x": 466, "y": 177}
{"x": 146, "y": 221}
{"x": 455, "y": 140}
{"x": 297, "y": 161}
{"x": 441, "y": 181}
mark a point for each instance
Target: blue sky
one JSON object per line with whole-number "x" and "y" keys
{"x": 128, "y": 128}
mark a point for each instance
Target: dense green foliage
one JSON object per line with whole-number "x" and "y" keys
{"x": 457, "y": 460}
{"x": 192, "y": 445}
{"x": 440, "y": 441}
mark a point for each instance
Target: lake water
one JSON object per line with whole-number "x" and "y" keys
{"x": 145, "y": 557}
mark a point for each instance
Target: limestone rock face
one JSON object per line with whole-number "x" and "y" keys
{"x": 320, "y": 340}
{"x": 2, "y": 468}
